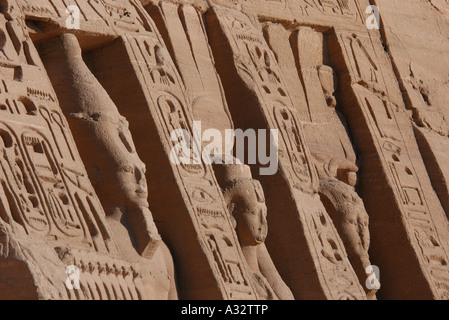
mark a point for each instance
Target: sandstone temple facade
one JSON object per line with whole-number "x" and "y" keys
{"x": 93, "y": 207}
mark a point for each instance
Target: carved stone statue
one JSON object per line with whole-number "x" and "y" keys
{"x": 246, "y": 203}
{"x": 348, "y": 212}
{"x": 334, "y": 154}
{"x": 313, "y": 85}
{"x": 97, "y": 98}
{"x": 108, "y": 151}
{"x": 337, "y": 181}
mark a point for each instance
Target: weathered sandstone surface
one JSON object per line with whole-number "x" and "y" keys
{"x": 94, "y": 92}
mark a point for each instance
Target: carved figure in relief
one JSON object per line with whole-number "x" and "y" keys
{"x": 107, "y": 148}
{"x": 348, "y": 212}
{"x": 44, "y": 193}
{"x": 333, "y": 152}
{"x": 275, "y": 104}
{"x": 113, "y": 164}
{"x": 246, "y": 203}
{"x": 337, "y": 181}
{"x": 339, "y": 163}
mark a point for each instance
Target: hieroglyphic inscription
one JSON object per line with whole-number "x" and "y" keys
{"x": 42, "y": 176}
{"x": 381, "y": 114}
{"x": 118, "y": 16}
{"x": 257, "y": 67}
{"x": 164, "y": 89}
{"x": 347, "y": 9}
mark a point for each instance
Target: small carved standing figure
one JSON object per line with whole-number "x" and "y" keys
{"x": 334, "y": 154}
{"x": 338, "y": 177}
{"x": 246, "y": 203}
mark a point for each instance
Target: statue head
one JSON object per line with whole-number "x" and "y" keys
{"x": 246, "y": 203}
{"x": 250, "y": 212}
{"x": 131, "y": 171}
{"x": 103, "y": 135}
{"x": 116, "y": 169}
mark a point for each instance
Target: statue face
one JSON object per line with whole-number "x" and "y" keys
{"x": 132, "y": 171}
{"x": 251, "y": 214}
{"x": 131, "y": 175}
{"x": 126, "y": 173}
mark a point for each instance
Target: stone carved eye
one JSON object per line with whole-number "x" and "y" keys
{"x": 202, "y": 196}
{"x": 127, "y": 169}
{"x": 253, "y": 213}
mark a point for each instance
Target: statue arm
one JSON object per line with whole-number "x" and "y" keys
{"x": 269, "y": 271}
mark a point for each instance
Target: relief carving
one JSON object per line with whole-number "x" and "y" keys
{"x": 328, "y": 138}
{"x": 93, "y": 207}
{"x": 246, "y": 203}
{"x": 266, "y": 95}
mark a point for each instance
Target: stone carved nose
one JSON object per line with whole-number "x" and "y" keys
{"x": 263, "y": 216}
{"x": 140, "y": 177}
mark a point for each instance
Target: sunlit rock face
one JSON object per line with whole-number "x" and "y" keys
{"x": 245, "y": 149}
